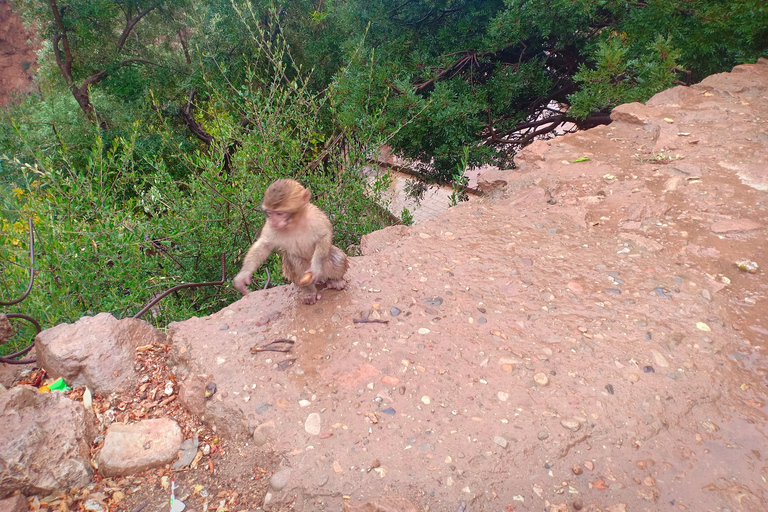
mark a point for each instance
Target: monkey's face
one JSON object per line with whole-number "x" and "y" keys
{"x": 278, "y": 220}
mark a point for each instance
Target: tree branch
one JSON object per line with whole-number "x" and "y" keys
{"x": 129, "y": 24}
{"x": 195, "y": 127}
{"x": 61, "y": 35}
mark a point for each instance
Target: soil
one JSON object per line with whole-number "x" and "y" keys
{"x": 18, "y": 60}
{"x": 583, "y": 340}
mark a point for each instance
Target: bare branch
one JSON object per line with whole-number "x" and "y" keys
{"x": 129, "y": 24}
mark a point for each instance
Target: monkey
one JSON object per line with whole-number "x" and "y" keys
{"x": 302, "y": 235}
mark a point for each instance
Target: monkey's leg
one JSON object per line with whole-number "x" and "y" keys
{"x": 335, "y": 268}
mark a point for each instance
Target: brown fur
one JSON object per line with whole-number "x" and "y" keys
{"x": 302, "y": 235}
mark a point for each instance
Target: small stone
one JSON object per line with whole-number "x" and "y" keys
{"x": 613, "y": 291}
{"x": 542, "y": 435}
{"x": 261, "y": 408}
{"x": 506, "y": 367}
{"x": 577, "y": 470}
{"x": 304, "y": 403}
{"x": 337, "y": 468}
{"x": 705, "y": 293}
{"x": 648, "y": 369}
{"x": 500, "y": 441}
{"x": 336, "y": 318}
{"x": 280, "y": 479}
{"x": 426, "y": 447}
{"x": 649, "y": 481}
{"x": 423, "y": 330}
{"x": 633, "y": 377}
{"x": 660, "y": 359}
{"x": 389, "y": 380}
{"x": 589, "y": 465}
{"x": 661, "y": 292}
{"x": 541, "y": 379}
{"x": 703, "y": 327}
{"x": 263, "y": 432}
{"x": 224, "y": 327}
{"x": 425, "y": 400}
{"x": 401, "y": 390}
{"x": 481, "y": 320}
{"x": 502, "y": 396}
{"x": 434, "y": 302}
{"x": 641, "y": 464}
{"x": 393, "y": 311}
{"x": 313, "y": 424}
{"x": 389, "y": 411}
{"x": 571, "y": 424}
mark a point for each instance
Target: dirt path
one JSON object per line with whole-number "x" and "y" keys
{"x": 584, "y": 342}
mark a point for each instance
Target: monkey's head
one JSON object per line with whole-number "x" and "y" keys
{"x": 282, "y": 201}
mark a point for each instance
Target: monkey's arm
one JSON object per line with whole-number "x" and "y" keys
{"x": 256, "y": 255}
{"x": 321, "y": 251}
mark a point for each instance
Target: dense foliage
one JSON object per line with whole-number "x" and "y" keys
{"x": 160, "y": 122}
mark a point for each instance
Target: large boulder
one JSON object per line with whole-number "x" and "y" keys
{"x": 96, "y": 351}
{"x": 131, "y": 449}
{"x": 45, "y": 442}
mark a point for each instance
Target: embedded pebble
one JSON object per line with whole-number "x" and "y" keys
{"x": 542, "y": 435}
{"x": 312, "y": 424}
{"x": 648, "y": 369}
{"x": 705, "y": 293}
{"x": 423, "y": 330}
{"x": 425, "y": 400}
{"x": 394, "y": 311}
{"x": 633, "y": 377}
{"x": 662, "y": 293}
{"x": 500, "y": 441}
{"x": 702, "y": 327}
{"x": 426, "y": 447}
{"x": 434, "y": 301}
{"x": 390, "y": 380}
{"x": 614, "y": 291}
{"x": 280, "y": 479}
{"x": 224, "y": 327}
{"x": 336, "y": 318}
{"x": 502, "y": 396}
{"x": 481, "y": 320}
{"x": 589, "y": 465}
{"x": 577, "y": 469}
{"x": 660, "y": 359}
{"x": 541, "y": 379}
{"x": 571, "y": 424}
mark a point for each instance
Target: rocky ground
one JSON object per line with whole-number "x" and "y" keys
{"x": 581, "y": 339}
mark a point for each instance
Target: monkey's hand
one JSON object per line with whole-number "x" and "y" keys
{"x": 241, "y": 282}
{"x": 317, "y": 275}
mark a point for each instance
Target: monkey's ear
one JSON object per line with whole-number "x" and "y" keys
{"x": 305, "y": 195}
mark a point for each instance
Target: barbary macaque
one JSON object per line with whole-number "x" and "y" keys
{"x": 302, "y": 235}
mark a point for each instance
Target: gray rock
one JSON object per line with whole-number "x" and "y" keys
{"x": 192, "y": 394}
{"x": 500, "y": 441}
{"x": 16, "y": 503}
{"x": 131, "y": 449}
{"x": 542, "y": 435}
{"x": 263, "y": 432}
{"x": 96, "y": 351}
{"x": 313, "y": 424}
{"x": 45, "y": 442}
{"x": 187, "y": 452}
{"x": 280, "y": 479}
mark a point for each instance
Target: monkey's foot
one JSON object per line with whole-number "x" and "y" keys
{"x": 335, "y": 284}
{"x": 310, "y": 298}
